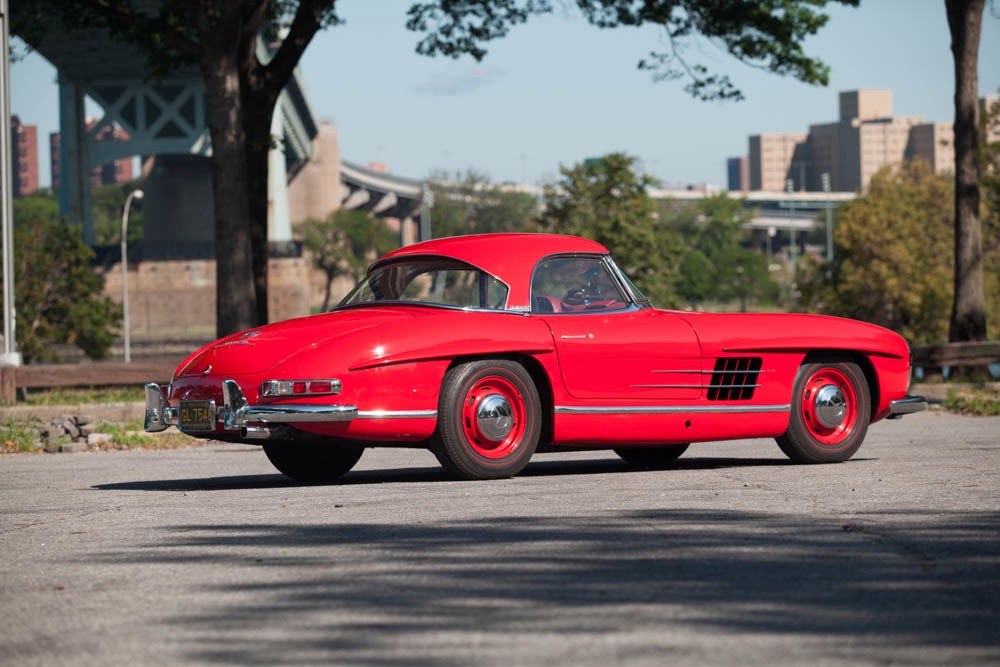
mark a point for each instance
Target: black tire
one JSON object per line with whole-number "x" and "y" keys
{"x": 831, "y": 410}
{"x": 313, "y": 461}
{"x": 651, "y": 457}
{"x": 489, "y": 419}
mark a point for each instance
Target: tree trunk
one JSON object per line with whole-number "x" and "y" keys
{"x": 968, "y": 315}
{"x": 257, "y": 124}
{"x": 235, "y": 306}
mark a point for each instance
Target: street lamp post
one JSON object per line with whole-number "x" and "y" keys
{"x": 135, "y": 194}
{"x": 793, "y": 248}
{"x": 829, "y": 221}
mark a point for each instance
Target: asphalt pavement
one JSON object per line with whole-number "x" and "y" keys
{"x": 732, "y": 556}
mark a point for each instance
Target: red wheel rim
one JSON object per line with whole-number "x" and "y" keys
{"x": 829, "y": 405}
{"x": 493, "y": 417}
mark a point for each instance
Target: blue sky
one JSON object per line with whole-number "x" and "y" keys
{"x": 557, "y": 90}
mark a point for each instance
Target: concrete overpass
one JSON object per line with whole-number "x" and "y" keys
{"x": 164, "y": 118}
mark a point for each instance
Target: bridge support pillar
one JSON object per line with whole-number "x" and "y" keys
{"x": 74, "y": 162}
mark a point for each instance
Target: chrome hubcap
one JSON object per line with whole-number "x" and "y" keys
{"x": 831, "y": 406}
{"x": 494, "y": 417}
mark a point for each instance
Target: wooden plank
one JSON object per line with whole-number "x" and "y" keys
{"x": 95, "y": 374}
{"x": 978, "y": 353}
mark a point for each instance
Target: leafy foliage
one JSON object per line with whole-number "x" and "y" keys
{"x": 469, "y": 204}
{"x": 221, "y": 37}
{"x": 345, "y": 243}
{"x": 893, "y": 259}
{"x": 107, "y": 204}
{"x": 762, "y": 33}
{"x": 990, "y": 157}
{"x": 718, "y": 265}
{"x": 605, "y": 200}
{"x": 57, "y": 295}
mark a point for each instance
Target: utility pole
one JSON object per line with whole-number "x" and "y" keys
{"x": 10, "y": 356}
{"x": 829, "y": 220}
{"x": 793, "y": 246}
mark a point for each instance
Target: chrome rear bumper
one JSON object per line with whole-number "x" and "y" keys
{"x": 906, "y": 406}
{"x": 236, "y": 412}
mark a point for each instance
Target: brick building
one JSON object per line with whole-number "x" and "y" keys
{"x": 24, "y": 157}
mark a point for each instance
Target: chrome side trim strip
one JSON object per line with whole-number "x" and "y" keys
{"x": 666, "y": 409}
{"x": 666, "y": 386}
{"x": 695, "y": 386}
{"x": 397, "y": 414}
{"x": 713, "y": 372}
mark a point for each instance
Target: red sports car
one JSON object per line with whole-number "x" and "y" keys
{"x": 485, "y": 349}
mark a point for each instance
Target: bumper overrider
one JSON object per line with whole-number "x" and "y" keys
{"x": 237, "y": 415}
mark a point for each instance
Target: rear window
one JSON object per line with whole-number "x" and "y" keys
{"x": 435, "y": 281}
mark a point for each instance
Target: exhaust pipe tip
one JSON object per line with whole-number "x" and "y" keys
{"x": 255, "y": 433}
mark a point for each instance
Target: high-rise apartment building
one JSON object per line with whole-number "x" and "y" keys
{"x": 775, "y": 159}
{"x": 865, "y": 138}
{"x": 738, "y": 174}
{"x": 935, "y": 144}
{"x": 24, "y": 157}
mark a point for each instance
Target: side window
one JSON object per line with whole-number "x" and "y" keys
{"x": 574, "y": 285}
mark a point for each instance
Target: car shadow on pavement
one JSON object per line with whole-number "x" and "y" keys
{"x": 543, "y": 468}
{"x": 897, "y": 587}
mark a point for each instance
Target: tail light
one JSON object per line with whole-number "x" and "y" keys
{"x": 275, "y": 388}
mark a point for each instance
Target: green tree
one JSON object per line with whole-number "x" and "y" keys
{"x": 715, "y": 231}
{"x": 41, "y": 205}
{"x": 241, "y": 91}
{"x": 696, "y": 280}
{"x": 107, "y": 203}
{"x": 892, "y": 262}
{"x": 762, "y": 33}
{"x": 470, "y": 204}
{"x": 606, "y": 200}
{"x": 990, "y": 157}
{"x": 344, "y": 244}
{"x": 220, "y": 37}
{"x": 57, "y": 295}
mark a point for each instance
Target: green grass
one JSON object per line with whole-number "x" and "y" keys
{"x": 18, "y": 435}
{"x": 983, "y": 401}
{"x": 129, "y": 435}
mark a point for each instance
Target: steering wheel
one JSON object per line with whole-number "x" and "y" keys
{"x": 576, "y": 297}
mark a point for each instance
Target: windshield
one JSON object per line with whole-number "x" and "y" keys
{"x": 430, "y": 280}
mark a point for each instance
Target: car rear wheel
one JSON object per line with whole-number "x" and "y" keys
{"x": 651, "y": 457}
{"x": 489, "y": 419}
{"x": 313, "y": 461}
{"x": 831, "y": 409}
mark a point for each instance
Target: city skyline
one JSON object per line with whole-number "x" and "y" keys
{"x": 556, "y": 91}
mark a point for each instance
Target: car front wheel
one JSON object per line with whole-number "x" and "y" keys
{"x": 313, "y": 461}
{"x": 489, "y": 419}
{"x": 831, "y": 409}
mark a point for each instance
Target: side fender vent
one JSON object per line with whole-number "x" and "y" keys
{"x": 734, "y": 378}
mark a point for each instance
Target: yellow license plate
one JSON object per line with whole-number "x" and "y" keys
{"x": 196, "y": 416}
